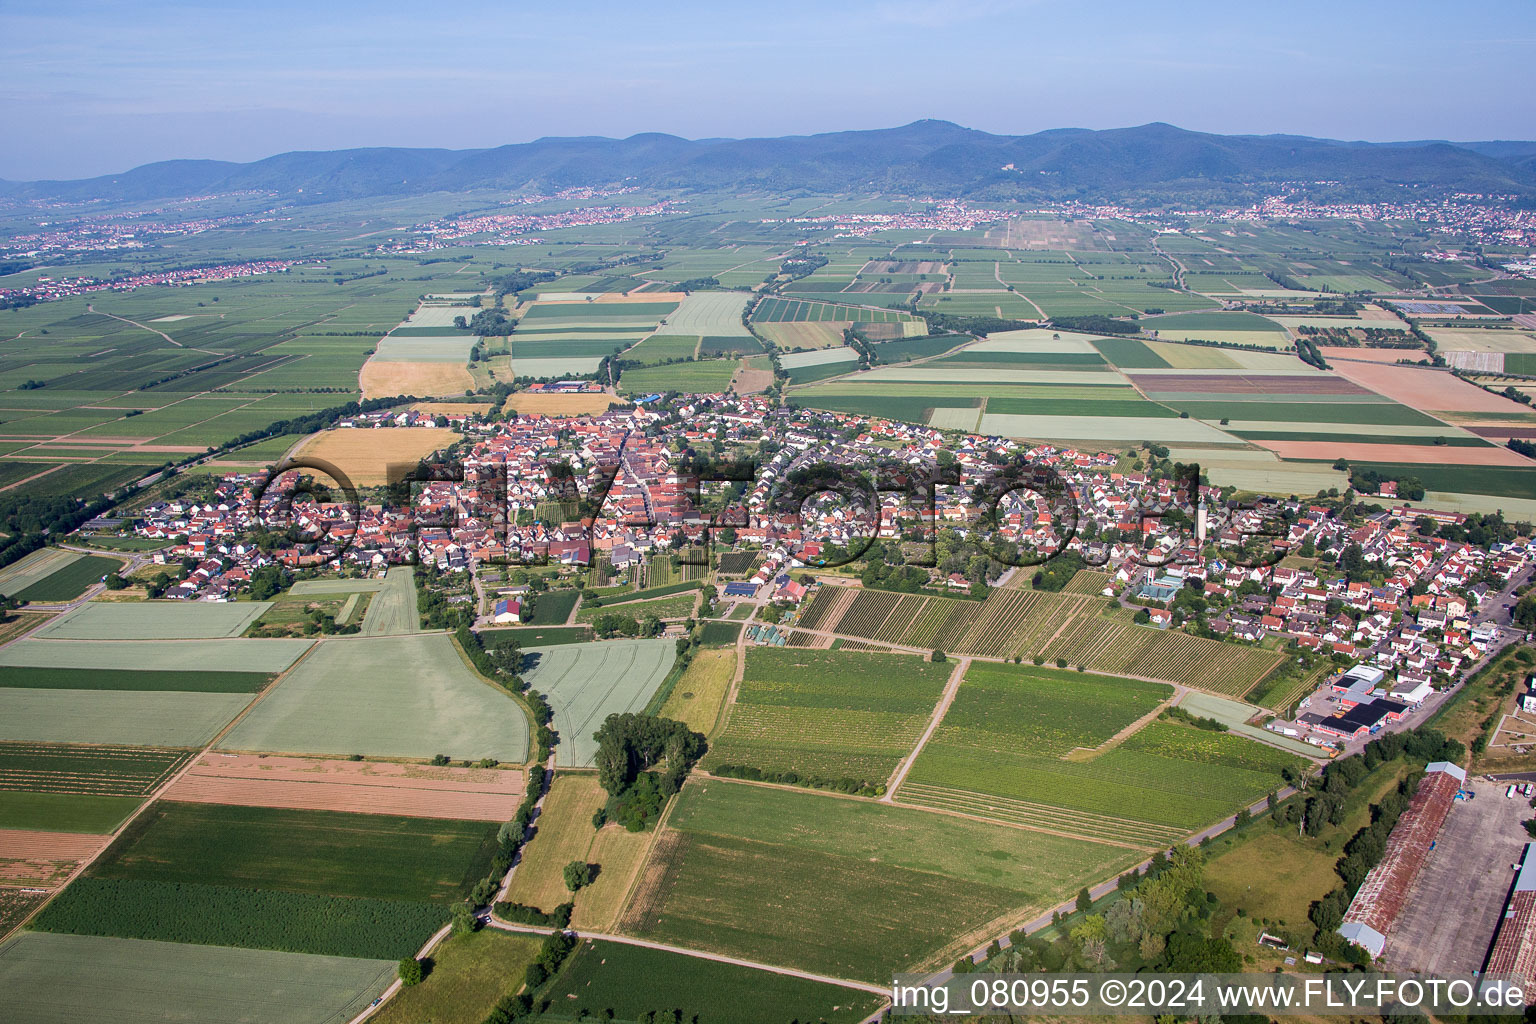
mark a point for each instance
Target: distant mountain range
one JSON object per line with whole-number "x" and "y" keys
{"x": 1149, "y": 163}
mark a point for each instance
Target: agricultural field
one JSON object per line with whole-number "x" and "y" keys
{"x": 328, "y": 853}
{"x": 65, "y": 578}
{"x": 373, "y": 457}
{"x": 59, "y": 979}
{"x": 108, "y": 771}
{"x": 185, "y": 658}
{"x": 63, "y": 812}
{"x": 853, "y": 883}
{"x": 470, "y": 974}
{"x": 709, "y": 314}
{"x": 1048, "y": 748}
{"x": 1234, "y": 328}
{"x": 700, "y": 692}
{"x": 151, "y": 718}
{"x": 531, "y": 403}
{"x": 392, "y": 610}
{"x": 264, "y": 878}
{"x": 565, "y": 834}
{"x": 585, "y": 683}
{"x": 399, "y": 696}
{"x": 371, "y": 787}
{"x": 659, "y": 348}
{"x": 703, "y": 377}
{"x": 35, "y": 567}
{"x": 154, "y": 620}
{"x": 628, "y": 981}
{"x": 828, "y": 715}
{"x": 775, "y": 310}
{"x": 1029, "y": 623}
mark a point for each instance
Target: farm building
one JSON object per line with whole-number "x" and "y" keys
{"x": 740, "y": 589}
{"x": 1361, "y": 718}
{"x": 508, "y": 610}
{"x": 1381, "y": 896}
{"x": 1514, "y": 949}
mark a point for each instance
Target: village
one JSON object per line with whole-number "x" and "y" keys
{"x": 1399, "y": 611}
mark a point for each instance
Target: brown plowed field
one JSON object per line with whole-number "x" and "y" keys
{"x": 1424, "y": 453}
{"x": 1426, "y": 390}
{"x": 366, "y": 787}
{"x": 1239, "y": 384}
{"x": 44, "y": 857}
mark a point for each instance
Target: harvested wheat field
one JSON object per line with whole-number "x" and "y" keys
{"x": 43, "y": 858}
{"x": 366, "y": 455}
{"x": 1374, "y": 355}
{"x": 381, "y": 379}
{"x": 364, "y": 787}
{"x": 748, "y": 381}
{"x": 793, "y": 336}
{"x": 1421, "y": 453}
{"x": 530, "y": 403}
{"x": 453, "y": 408}
{"x": 1426, "y": 390}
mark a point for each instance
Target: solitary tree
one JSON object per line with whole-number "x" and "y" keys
{"x": 410, "y": 971}
{"x": 577, "y": 874}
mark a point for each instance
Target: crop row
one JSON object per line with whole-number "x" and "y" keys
{"x": 102, "y": 771}
{"x": 827, "y": 607}
{"x": 1043, "y": 816}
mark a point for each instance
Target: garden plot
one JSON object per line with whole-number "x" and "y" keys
{"x": 394, "y": 696}
{"x": 585, "y": 683}
{"x": 68, "y": 978}
{"x": 155, "y": 620}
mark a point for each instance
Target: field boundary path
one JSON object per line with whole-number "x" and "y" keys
{"x": 396, "y": 985}
{"x": 939, "y": 711}
{"x": 90, "y": 308}
{"x": 825, "y": 979}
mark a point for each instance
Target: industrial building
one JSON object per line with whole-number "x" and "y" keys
{"x": 1381, "y": 896}
{"x": 1514, "y": 948}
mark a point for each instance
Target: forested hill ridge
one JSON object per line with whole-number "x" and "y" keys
{"x": 1149, "y": 163}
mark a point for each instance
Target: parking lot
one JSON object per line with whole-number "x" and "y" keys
{"x": 1455, "y": 904}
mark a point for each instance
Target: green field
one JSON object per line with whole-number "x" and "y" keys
{"x": 238, "y": 656}
{"x": 586, "y": 683}
{"x": 1327, "y": 408}
{"x": 155, "y": 620}
{"x": 775, "y": 311}
{"x": 1030, "y": 745}
{"x": 64, "y": 979}
{"x": 703, "y": 377}
{"x": 131, "y": 679}
{"x": 553, "y": 607}
{"x": 70, "y": 581}
{"x": 659, "y": 348}
{"x": 852, "y": 885}
{"x": 1129, "y": 353}
{"x": 64, "y": 812}
{"x": 1501, "y": 481}
{"x": 393, "y": 608}
{"x": 93, "y": 770}
{"x": 470, "y": 974}
{"x": 547, "y": 636}
{"x": 152, "y": 718}
{"x": 321, "y": 853}
{"x": 404, "y": 696}
{"x": 828, "y": 714}
{"x": 631, "y": 980}
{"x": 217, "y": 915}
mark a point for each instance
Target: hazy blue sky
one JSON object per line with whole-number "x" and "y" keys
{"x": 92, "y": 88}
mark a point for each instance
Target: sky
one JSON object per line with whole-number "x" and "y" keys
{"x": 97, "y": 88}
